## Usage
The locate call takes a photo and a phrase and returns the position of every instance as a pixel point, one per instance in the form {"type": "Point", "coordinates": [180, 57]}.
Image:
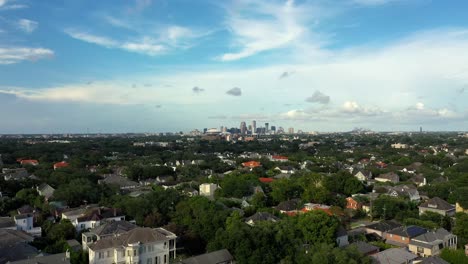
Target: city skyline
{"type": "Point", "coordinates": [157, 66]}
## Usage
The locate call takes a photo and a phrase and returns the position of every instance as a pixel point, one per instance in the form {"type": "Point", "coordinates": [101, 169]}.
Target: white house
{"type": "Point", "coordinates": [21, 222]}
{"type": "Point", "coordinates": [399, 146]}
{"type": "Point", "coordinates": [139, 245]}
{"type": "Point", "coordinates": [86, 218]}
{"type": "Point", "coordinates": [208, 189]}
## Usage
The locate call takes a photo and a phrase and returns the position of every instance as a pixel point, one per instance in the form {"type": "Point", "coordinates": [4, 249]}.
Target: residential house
{"type": "Point", "coordinates": [394, 256]}
{"type": "Point", "coordinates": [317, 207]}
{"type": "Point", "coordinates": [437, 205]}
{"type": "Point", "coordinates": [139, 245]}
{"type": "Point", "coordinates": [60, 258]}
{"type": "Point", "coordinates": [432, 243]}
{"type": "Point", "coordinates": [381, 165]}
{"type": "Point", "coordinates": [399, 146]}
{"type": "Point", "coordinates": [285, 169]}
{"type": "Point", "coordinates": [365, 248]}
{"type": "Point", "coordinates": [251, 164]}
{"type": "Point", "coordinates": [352, 203]}
{"type": "Point", "coordinates": [419, 180]}
{"type": "Point", "coordinates": [208, 189]}
{"type": "Point", "coordinates": [266, 180]}
{"type": "Point", "coordinates": [122, 182]}
{"type": "Point", "coordinates": [388, 177]}
{"type": "Point", "coordinates": [404, 191]}
{"type": "Point", "coordinates": [259, 217]}
{"type": "Point", "coordinates": [381, 228]}
{"type": "Point", "coordinates": [85, 218]}
{"type": "Point", "coordinates": [460, 209]}
{"type": "Point", "coordinates": [14, 245]}
{"type": "Point", "coordinates": [363, 175]}
{"type": "Point", "coordinates": [109, 229]}
{"type": "Point", "coordinates": [278, 158]}
{"type": "Point", "coordinates": [341, 235]}
{"type": "Point", "coordinates": [18, 174]}
{"type": "Point", "coordinates": [401, 236]}
{"type": "Point", "coordinates": [45, 190]}
{"type": "Point", "coordinates": [60, 165]}
{"type": "Point", "coordinates": [288, 207]}
{"type": "Point", "coordinates": [25, 222]}
{"type": "Point", "coordinates": [30, 162]}
{"type": "Point", "coordinates": [222, 256]}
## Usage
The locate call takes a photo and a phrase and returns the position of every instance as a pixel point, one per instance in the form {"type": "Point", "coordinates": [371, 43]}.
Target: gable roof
{"type": "Point", "coordinates": [431, 238]}
{"type": "Point", "coordinates": [220, 256]}
{"type": "Point", "coordinates": [49, 259]}
{"type": "Point", "coordinates": [437, 203]}
{"type": "Point", "coordinates": [113, 228]}
{"type": "Point", "coordinates": [262, 216]}
{"type": "Point", "coordinates": [363, 247]}
{"type": "Point", "coordinates": [289, 205]}
{"type": "Point", "coordinates": [251, 164]}
{"type": "Point", "coordinates": [266, 180]}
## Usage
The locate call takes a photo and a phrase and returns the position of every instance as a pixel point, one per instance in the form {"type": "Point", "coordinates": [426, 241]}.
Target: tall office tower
{"type": "Point", "coordinates": [204, 130]}
{"type": "Point", "coordinates": [243, 127]}
{"type": "Point", "coordinates": [291, 130]}
{"type": "Point", "coordinates": [221, 128]}
{"type": "Point", "coordinates": [254, 127]}
{"type": "Point", "coordinates": [273, 129]}
{"type": "Point", "coordinates": [420, 129]}
{"type": "Point", "coordinates": [280, 130]}
{"type": "Point", "coordinates": [266, 128]}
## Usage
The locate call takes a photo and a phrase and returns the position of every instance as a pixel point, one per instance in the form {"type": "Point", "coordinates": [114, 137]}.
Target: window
{"type": "Point", "coordinates": [108, 253]}
{"type": "Point", "coordinates": [149, 261]}
{"type": "Point", "coordinates": [101, 255]}
{"type": "Point", "coordinates": [403, 238]}
{"type": "Point", "coordinates": [165, 258]}
{"type": "Point", "coordinates": [391, 235]}
{"type": "Point", "coordinates": [134, 253]}
{"type": "Point", "coordinates": [123, 254]}
{"type": "Point", "coordinates": [420, 250]}
{"type": "Point", "coordinates": [82, 226]}
{"type": "Point", "coordinates": [156, 260]}
{"type": "Point", "coordinates": [165, 244]}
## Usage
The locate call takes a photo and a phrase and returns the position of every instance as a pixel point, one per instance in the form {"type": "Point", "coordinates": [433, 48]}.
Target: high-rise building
{"type": "Point", "coordinates": [250, 128]}
{"type": "Point", "coordinates": [204, 130]}
{"type": "Point", "coordinates": [243, 127]}
{"type": "Point", "coordinates": [266, 127]}
{"type": "Point", "coordinates": [254, 127]}
{"type": "Point", "coordinates": [273, 129]}
{"type": "Point", "coordinates": [291, 130]}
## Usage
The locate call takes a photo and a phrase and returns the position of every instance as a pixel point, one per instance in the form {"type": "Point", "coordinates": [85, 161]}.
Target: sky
{"type": "Point", "coordinates": [178, 65]}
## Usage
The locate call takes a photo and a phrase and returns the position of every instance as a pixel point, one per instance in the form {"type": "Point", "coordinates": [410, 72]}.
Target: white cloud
{"type": "Point", "coordinates": [419, 106]}
{"type": "Point", "coordinates": [6, 5]}
{"type": "Point", "coordinates": [2, 3]}
{"type": "Point", "coordinates": [145, 46]}
{"type": "Point", "coordinates": [11, 55]}
{"type": "Point", "coordinates": [27, 25]}
{"type": "Point", "coordinates": [318, 97]}
{"type": "Point", "coordinates": [373, 2]}
{"type": "Point", "coordinates": [260, 25]}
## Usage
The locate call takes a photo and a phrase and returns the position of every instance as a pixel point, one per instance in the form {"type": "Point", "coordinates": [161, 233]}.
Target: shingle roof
{"type": "Point", "coordinates": [141, 234]}
{"type": "Point", "coordinates": [215, 257]}
{"type": "Point", "coordinates": [288, 205]}
{"type": "Point", "coordinates": [433, 260]}
{"type": "Point", "coordinates": [430, 238]}
{"type": "Point", "coordinates": [6, 222]}
{"type": "Point", "coordinates": [384, 226]}
{"type": "Point", "coordinates": [394, 256]}
{"type": "Point", "coordinates": [49, 259]}
{"type": "Point", "coordinates": [409, 231]}
{"type": "Point", "coordinates": [262, 216]}
{"type": "Point", "coordinates": [437, 203]}
{"type": "Point", "coordinates": [111, 228]}
{"type": "Point", "coordinates": [364, 247]}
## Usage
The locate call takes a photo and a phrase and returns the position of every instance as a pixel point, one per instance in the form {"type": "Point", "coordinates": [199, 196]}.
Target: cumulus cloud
{"type": "Point", "coordinates": [236, 91]}
{"type": "Point", "coordinates": [11, 55]}
{"type": "Point", "coordinates": [27, 25]}
{"type": "Point", "coordinates": [318, 97]}
{"type": "Point", "coordinates": [197, 89]}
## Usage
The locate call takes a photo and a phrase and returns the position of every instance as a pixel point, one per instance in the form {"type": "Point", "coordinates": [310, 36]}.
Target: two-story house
{"type": "Point", "coordinates": [401, 236]}
{"type": "Point", "coordinates": [437, 205]}
{"type": "Point", "coordinates": [139, 245]}
{"type": "Point", "coordinates": [432, 243]}
{"type": "Point", "coordinates": [109, 229]}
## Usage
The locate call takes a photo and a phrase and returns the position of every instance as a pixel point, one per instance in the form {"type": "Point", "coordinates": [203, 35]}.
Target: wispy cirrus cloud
{"type": "Point", "coordinates": [27, 25]}
{"type": "Point", "coordinates": [11, 5]}
{"type": "Point", "coordinates": [259, 26]}
{"type": "Point", "coordinates": [145, 46]}
{"type": "Point", "coordinates": [12, 55]}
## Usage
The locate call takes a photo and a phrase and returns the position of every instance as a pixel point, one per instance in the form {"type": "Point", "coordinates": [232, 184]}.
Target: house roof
{"type": "Point", "coordinates": [46, 190]}
{"type": "Point", "coordinates": [288, 205]}
{"type": "Point", "coordinates": [433, 260]}
{"type": "Point", "coordinates": [278, 157]}
{"type": "Point", "coordinates": [14, 245]}
{"type": "Point", "coordinates": [49, 259]}
{"type": "Point", "coordinates": [364, 247]}
{"type": "Point", "coordinates": [220, 256]}
{"type": "Point", "coordinates": [437, 203]}
{"type": "Point", "coordinates": [25, 209]}
{"type": "Point", "coordinates": [251, 164]}
{"type": "Point", "coordinates": [384, 226]}
{"type": "Point", "coordinates": [29, 161]}
{"type": "Point", "coordinates": [394, 256]}
{"type": "Point", "coordinates": [6, 222]}
{"type": "Point", "coordinates": [266, 180]}
{"type": "Point", "coordinates": [408, 231]}
{"type": "Point", "coordinates": [390, 176]}
{"type": "Point", "coordinates": [262, 216]}
{"type": "Point", "coordinates": [430, 238]}
{"type": "Point", "coordinates": [112, 228]}
{"type": "Point", "coordinates": [61, 164]}
{"type": "Point", "coordinates": [137, 235]}
{"type": "Point", "coordinates": [118, 180]}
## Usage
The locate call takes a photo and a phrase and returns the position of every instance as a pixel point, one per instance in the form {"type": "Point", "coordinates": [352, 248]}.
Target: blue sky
{"type": "Point", "coordinates": [170, 65]}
